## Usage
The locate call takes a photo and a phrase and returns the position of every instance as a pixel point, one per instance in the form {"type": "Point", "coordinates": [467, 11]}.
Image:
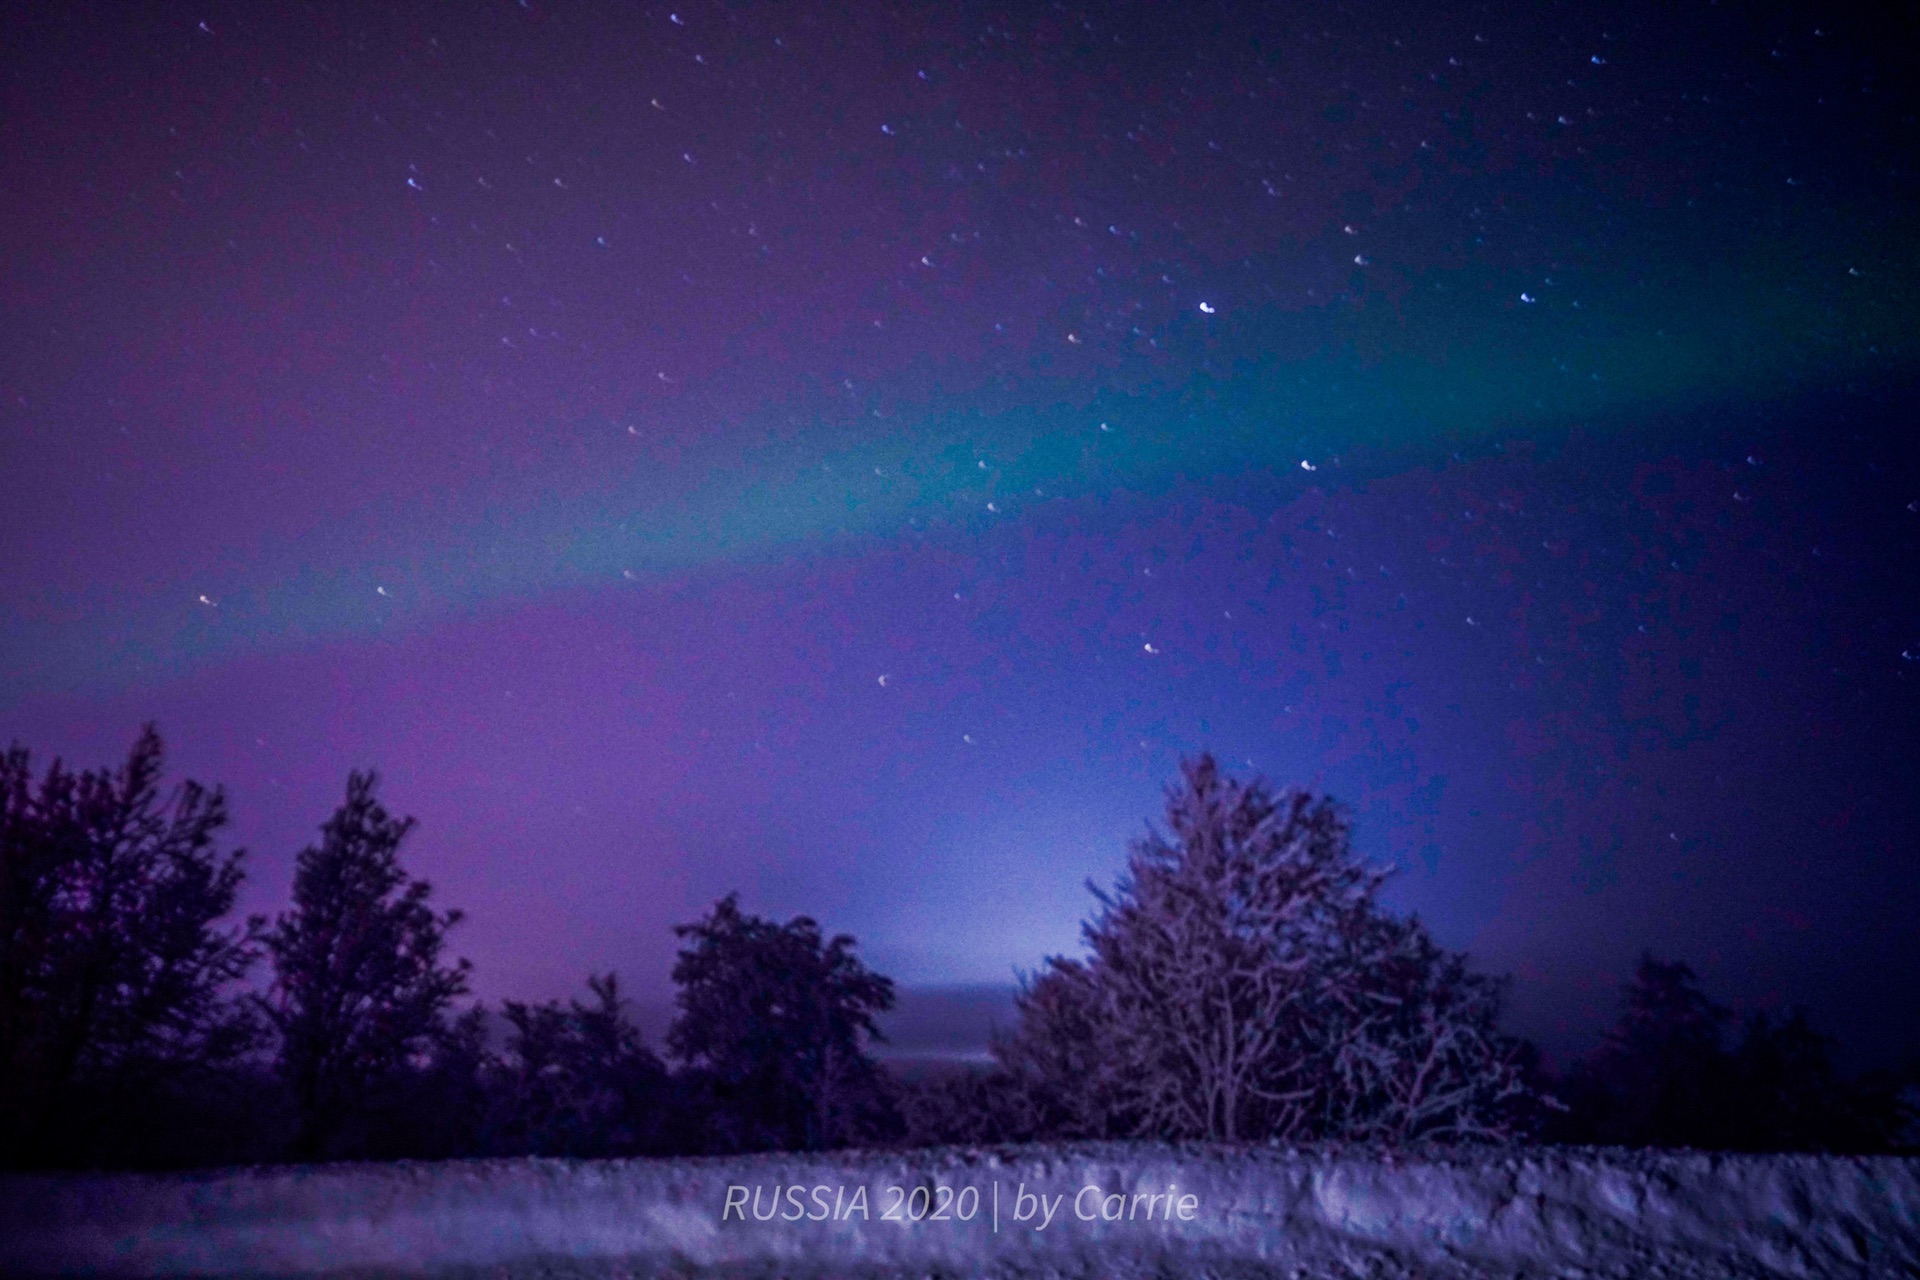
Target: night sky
{"type": "Point", "coordinates": [850, 453]}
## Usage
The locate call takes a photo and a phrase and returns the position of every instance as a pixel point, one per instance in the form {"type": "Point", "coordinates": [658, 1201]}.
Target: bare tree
{"type": "Point", "coordinates": [1419, 1053]}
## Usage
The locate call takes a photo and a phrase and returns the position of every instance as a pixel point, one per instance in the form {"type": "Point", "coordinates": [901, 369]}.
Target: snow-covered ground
{"type": "Point", "coordinates": [1108, 1210]}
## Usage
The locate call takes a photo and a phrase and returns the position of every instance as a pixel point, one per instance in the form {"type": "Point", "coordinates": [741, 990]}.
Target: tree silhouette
{"type": "Point", "coordinates": [965, 1105]}
{"type": "Point", "coordinates": [1664, 1076]}
{"type": "Point", "coordinates": [360, 995]}
{"type": "Point", "coordinates": [773, 1023]}
{"type": "Point", "coordinates": [1790, 1097]}
{"type": "Point", "coordinates": [578, 1079]}
{"type": "Point", "coordinates": [1661, 1076]}
{"type": "Point", "coordinates": [112, 970]}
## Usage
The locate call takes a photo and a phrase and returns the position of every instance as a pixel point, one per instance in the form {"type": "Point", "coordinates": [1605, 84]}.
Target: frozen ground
{"type": "Point", "coordinates": [1232, 1213]}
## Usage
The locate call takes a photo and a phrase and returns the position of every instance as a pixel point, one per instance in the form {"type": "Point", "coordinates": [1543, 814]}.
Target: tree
{"type": "Point", "coordinates": [443, 1106]}
{"type": "Point", "coordinates": [773, 1024]}
{"type": "Point", "coordinates": [360, 995]}
{"type": "Point", "coordinates": [1062, 1054]}
{"type": "Point", "coordinates": [579, 1080]}
{"type": "Point", "coordinates": [114, 972]}
{"type": "Point", "coordinates": [1664, 1076]}
{"type": "Point", "coordinates": [1790, 1097]}
{"type": "Point", "coordinates": [967, 1105]}
{"type": "Point", "coordinates": [1661, 1075]}
{"type": "Point", "coordinates": [1244, 982]}
{"type": "Point", "coordinates": [1421, 1052]}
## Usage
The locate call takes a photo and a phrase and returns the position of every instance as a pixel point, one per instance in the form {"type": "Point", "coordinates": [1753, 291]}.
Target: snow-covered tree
{"type": "Point", "coordinates": [1420, 1051]}
{"type": "Point", "coordinates": [1244, 982]}
{"type": "Point", "coordinates": [1062, 1055]}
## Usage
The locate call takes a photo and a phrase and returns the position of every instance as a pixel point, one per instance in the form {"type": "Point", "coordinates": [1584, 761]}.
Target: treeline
{"type": "Point", "coordinates": [1242, 982]}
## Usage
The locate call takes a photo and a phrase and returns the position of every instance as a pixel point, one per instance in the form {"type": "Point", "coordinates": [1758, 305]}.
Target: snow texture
{"type": "Point", "coordinates": [1535, 1212]}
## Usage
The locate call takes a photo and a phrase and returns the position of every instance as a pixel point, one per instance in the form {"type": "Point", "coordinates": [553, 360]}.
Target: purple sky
{"type": "Point", "coordinates": [850, 456]}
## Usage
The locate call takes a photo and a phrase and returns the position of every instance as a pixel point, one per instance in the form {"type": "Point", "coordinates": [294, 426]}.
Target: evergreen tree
{"type": "Point", "coordinates": [1665, 1076]}
{"type": "Point", "coordinates": [442, 1106]}
{"type": "Point", "coordinates": [360, 995]}
{"type": "Point", "coordinates": [1790, 1097]}
{"type": "Point", "coordinates": [1661, 1076]}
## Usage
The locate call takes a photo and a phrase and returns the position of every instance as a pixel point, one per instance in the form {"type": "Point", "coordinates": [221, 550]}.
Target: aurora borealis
{"type": "Point", "coordinates": [851, 454]}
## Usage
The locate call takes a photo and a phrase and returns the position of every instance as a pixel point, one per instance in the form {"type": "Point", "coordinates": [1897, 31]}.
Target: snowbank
{"type": "Point", "coordinates": [1018, 1211]}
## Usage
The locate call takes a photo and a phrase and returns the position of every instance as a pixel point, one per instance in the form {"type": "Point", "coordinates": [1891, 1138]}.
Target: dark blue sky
{"type": "Point", "coordinates": [851, 455]}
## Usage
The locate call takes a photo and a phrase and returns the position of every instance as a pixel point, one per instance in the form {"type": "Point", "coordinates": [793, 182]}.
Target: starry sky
{"type": "Point", "coordinates": [851, 453]}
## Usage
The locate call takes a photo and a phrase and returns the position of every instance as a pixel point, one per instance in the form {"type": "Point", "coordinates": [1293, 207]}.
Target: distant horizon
{"type": "Point", "coordinates": [935, 1021]}
{"type": "Point", "coordinates": [1562, 1013]}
